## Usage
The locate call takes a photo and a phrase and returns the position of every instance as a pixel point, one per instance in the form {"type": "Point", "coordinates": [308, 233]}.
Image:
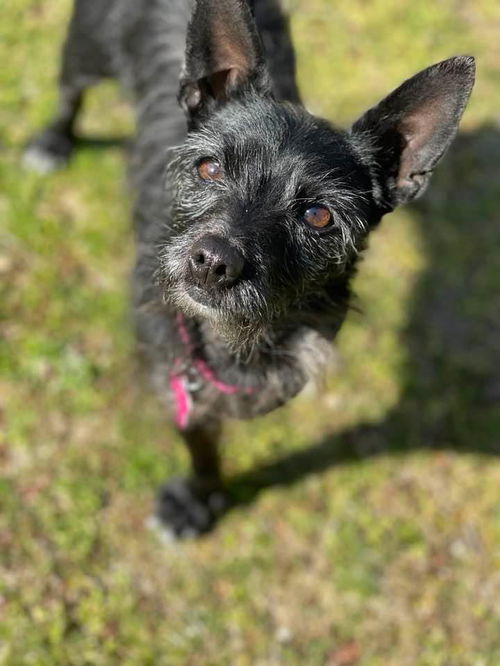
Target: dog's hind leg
{"type": "Point", "coordinates": [189, 507]}
{"type": "Point", "coordinates": [85, 62]}
{"type": "Point", "coordinates": [51, 149]}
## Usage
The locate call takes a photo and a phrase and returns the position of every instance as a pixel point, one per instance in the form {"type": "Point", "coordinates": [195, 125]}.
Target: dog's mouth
{"type": "Point", "coordinates": [194, 300]}
{"type": "Point", "coordinates": [202, 298]}
{"type": "Point", "coordinates": [223, 310]}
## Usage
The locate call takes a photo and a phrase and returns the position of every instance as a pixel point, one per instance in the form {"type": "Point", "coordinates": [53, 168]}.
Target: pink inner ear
{"type": "Point", "coordinates": [222, 82]}
{"type": "Point", "coordinates": [232, 56]}
{"type": "Point", "coordinates": [231, 48]}
{"type": "Point", "coordinates": [417, 130]}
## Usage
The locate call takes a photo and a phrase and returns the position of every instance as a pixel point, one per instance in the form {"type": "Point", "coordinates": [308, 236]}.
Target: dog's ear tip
{"type": "Point", "coordinates": [469, 60]}
{"type": "Point", "coordinates": [460, 60]}
{"type": "Point", "coordinates": [460, 64]}
{"type": "Point", "coordinates": [465, 60]}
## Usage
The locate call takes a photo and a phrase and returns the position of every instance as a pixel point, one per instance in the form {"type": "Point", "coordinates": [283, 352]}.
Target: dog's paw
{"type": "Point", "coordinates": [48, 151]}
{"type": "Point", "coordinates": [183, 512]}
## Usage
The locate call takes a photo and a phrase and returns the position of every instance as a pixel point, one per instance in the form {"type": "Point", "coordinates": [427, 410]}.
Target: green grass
{"type": "Point", "coordinates": [370, 532]}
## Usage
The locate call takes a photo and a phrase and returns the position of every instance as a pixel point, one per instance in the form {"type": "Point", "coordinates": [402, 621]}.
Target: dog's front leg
{"type": "Point", "coordinates": [189, 507]}
{"type": "Point", "coordinates": [202, 441]}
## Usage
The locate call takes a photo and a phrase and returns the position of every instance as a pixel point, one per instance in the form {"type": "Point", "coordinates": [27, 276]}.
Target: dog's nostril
{"type": "Point", "coordinates": [200, 258]}
{"type": "Point", "coordinates": [220, 270]}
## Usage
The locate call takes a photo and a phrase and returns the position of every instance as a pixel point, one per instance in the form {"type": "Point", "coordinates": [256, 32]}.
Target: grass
{"type": "Point", "coordinates": [368, 524]}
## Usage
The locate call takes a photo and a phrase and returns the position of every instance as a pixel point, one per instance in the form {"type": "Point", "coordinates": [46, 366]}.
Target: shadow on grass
{"type": "Point", "coordinates": [450, 398]}
{"type": "Point", "coordinates": [101, 142]}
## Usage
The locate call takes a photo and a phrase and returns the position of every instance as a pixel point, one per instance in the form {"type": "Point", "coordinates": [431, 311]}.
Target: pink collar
{"type": "Point", "coordinates": [179, 383]}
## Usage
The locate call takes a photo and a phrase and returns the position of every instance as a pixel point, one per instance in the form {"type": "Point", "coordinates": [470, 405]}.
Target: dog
{"type": "Point", "coordinates": [250, 213]}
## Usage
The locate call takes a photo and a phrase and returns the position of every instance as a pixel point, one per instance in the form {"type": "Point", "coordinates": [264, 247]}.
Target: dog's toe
{"type": "Point", "coordinates": [183, 512]}
{"type": "Point", "coordinates": [48, 151]}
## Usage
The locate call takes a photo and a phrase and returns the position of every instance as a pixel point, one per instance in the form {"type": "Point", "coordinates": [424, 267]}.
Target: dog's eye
{"type": "Point", "coordinates": [318, 217]}
{"type": "Point", "coordinates": [210, 169]}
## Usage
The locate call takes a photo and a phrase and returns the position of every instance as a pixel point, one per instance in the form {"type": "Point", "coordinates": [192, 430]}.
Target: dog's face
{"type": "Point", "coordinates": [271, 204]}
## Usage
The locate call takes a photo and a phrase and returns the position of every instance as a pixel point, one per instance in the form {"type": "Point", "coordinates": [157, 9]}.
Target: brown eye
{"type": "Point", "coordinates": [318, 217]}
{"type": "Point", "coordinates": [210, 169]}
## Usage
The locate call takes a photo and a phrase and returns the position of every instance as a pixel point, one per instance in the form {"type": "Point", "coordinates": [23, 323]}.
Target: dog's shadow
{"type": "Point", "coordinates": [450, 397]}
{"type": "Point", "coordinates": [101, 143]}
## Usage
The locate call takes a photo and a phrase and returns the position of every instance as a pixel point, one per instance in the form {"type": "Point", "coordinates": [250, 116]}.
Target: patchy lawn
{"type": "Point", "coordinates": [368, 524]}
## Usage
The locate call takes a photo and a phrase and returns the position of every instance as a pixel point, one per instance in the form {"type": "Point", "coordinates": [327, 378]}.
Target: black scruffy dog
{"type": "Point", "coordinates": [250, 216]}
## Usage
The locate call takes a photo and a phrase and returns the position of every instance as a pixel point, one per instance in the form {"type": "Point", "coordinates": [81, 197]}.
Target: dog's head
{"type": "Point", "coordinates": [271, 205]}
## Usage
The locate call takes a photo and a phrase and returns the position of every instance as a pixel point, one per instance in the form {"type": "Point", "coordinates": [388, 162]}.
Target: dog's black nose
{"type": "Point", "coordinates": [214, 262]}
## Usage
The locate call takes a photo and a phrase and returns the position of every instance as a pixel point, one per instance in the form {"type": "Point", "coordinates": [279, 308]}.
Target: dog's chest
{"type": "Point", "coordinates": [208, 383]}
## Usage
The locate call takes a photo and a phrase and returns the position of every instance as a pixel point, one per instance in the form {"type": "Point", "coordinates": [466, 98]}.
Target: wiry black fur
{"type": "Point", "coordinates": [269, 330]}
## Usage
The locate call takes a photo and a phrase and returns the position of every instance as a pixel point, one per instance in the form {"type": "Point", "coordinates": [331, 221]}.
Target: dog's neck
{"type": "Point", "coordinates": [301, 342]}
{"type": "Point", "coordinates": [291, 355]}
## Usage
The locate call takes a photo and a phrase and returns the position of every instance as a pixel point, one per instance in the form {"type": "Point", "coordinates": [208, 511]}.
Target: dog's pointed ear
{"type": "Point", "coordinates": [409, 131]}
{"type": "Point", "coordinates": [224, 56]}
